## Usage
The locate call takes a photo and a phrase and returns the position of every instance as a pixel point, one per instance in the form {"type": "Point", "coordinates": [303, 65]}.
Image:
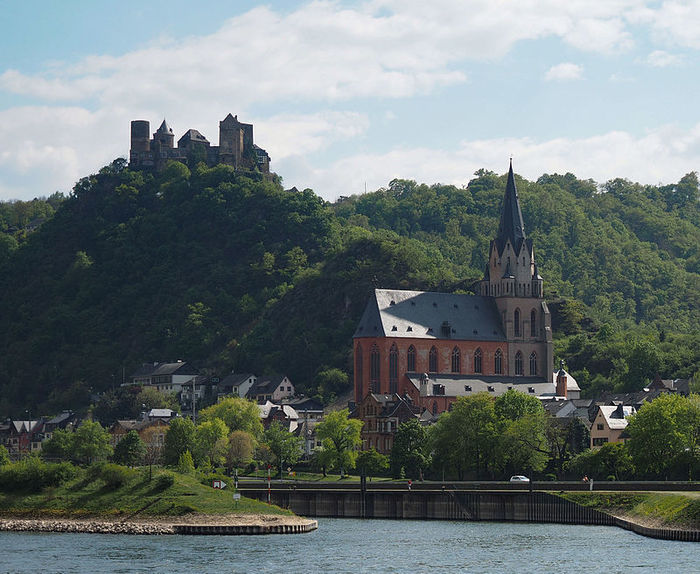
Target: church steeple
{"type": "Point", "coordinates": [511, 225]}
{"type": "Point", "coordinates": [511, 270]}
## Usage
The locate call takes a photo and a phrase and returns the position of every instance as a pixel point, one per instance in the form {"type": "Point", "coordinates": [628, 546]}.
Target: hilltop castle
{"type": "Point", "coordinates": [236, 147]}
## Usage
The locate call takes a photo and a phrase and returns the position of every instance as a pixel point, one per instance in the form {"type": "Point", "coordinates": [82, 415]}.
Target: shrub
{"type": "Point", "coordinates": [115, 475]}
{"type": "Point", "coordinates": [33, 475]}
{"type": "Point", "coordinates": [164, 481]}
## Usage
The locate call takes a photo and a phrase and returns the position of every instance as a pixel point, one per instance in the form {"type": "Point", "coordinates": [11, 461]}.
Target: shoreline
{"type": "Point", "coordinates": [233, 524]}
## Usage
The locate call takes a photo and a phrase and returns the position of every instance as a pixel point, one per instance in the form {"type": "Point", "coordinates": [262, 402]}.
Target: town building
{"type": "Point", "coordinates": [431, 348]}
{"type": "Point", "coordinates": [273, 388]}
{"type": "Point", "coordinates": [609, 424]}
{"type": "Point", "coordinates": [236, 147]}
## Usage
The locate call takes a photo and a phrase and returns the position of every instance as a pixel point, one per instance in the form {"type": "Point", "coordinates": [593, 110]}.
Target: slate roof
{"type": "Point", "coordinates": [155, 369]}
{"type": "Point", "coordinates": [265, 385]}
{"type": "Point", "coordinates": [571, 384]}
{"type": "Point", "coordinates": [495, 385]}
{"type": "Point", "coordinates": [193, 136]}
{"type": "Point", "coordinates": [235, 379]}
{"type": "Point", "coordinates": [429, 315]}
{"type": "Point", "coordinates": [164, 128]}
{"type": "Point", "coordinates": [615, 415]}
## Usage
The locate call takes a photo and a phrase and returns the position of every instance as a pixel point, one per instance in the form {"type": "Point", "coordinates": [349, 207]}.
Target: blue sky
{"type": "Point", "coordinates": [349, 95]}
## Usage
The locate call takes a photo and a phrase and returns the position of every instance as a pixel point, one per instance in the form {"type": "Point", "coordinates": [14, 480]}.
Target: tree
{"type": "Point", "coordinates": [330, 383]}
{"type": "Point", "coordinates": [130, 450]}
{"type": "Point", "coordinates": [664, 434]}
{"type": "Point", "coordinates": [371, 463]}
{"type": "Point", "coordinates": [91, 442]}
{"type": "Point", "coordinates": [241, 446]}
{"type": "Point", "coordinates": [153, 443]}
{"type": "Point", "coordinates": [285, 447]}
{"type": "Point", "coordinates": [409, 451]}
{"type": "Point", "coordinates": [185, 464]}
{"type": "Point", "coordinates": [340, 437]}
{"type": "Point", "coordinates": [210, 442]}
{"type": "Point", "coordinates": [4, 456]}
{"type": "Point", "coordinates": [178, 439]}
{"type": "Point", "coordinates": [237, 413]}
{"type": "Point", "coordinates": [59, 446]}
{"type": "Point", "coordinates": [465, 439]}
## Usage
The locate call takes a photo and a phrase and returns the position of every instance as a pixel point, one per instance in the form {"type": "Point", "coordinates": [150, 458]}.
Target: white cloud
{"type": "Point", "coordinates": [564, 71]}
{"type": "Point", "coordinates": [662, 155]}
{"type": "Point", "coordinates": [661, 59]}
{"type": "Point", "coordinates": [678, 23]}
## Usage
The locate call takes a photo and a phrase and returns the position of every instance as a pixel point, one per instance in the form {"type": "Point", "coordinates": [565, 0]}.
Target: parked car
{"type": "Point", "coordinates": [519, 478]}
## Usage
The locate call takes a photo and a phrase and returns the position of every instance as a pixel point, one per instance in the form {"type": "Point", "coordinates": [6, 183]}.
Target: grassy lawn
{"type": "Point", "coordinates": [677, 509]}
{"type": "Point", "coordinates": [137, 496]}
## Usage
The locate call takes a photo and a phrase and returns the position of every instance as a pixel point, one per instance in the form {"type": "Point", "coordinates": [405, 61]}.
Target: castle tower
{"type": "Point", "coordinates": [164, 137]}
{"type": "Point", "coordinates": [140, 142]}
{"type": "Point", "coordinates": [511, 277]}
{"type": "Point", "coordinates": [230, 141]}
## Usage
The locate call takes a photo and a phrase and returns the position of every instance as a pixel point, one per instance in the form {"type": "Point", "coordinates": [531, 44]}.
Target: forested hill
{"type": "Point", "coordinates": [234, 273]}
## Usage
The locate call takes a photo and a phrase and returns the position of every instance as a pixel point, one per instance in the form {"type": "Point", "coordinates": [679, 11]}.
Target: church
{"type": "Point", "coordinates": [417, 352]}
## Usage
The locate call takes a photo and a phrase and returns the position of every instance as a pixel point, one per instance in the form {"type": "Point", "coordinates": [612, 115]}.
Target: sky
{"type": "Point", "coordinates": [346, 96]}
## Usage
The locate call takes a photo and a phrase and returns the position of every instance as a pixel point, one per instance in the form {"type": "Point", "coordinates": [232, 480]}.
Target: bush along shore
{"type": "Point", "coordinates": [109, 498]}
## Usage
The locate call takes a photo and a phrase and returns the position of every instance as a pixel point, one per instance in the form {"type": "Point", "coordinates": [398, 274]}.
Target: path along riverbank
{"type": "Point", "coordinates": [190, 524]}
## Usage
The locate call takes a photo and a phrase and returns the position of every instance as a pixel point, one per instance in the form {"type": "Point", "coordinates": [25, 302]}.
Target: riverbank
{"type": "Point", "coordinates": [189, 524]}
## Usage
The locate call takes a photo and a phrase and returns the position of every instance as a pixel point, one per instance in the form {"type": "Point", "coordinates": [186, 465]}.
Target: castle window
{"type": "Point", "coordinates": [358, 366]}
{"type": "Point", "coordinates": [411, 359]}
{"type": "Point", "coordinates": [433, 360]}
{"type": "Point", "coordinates": [456, 360]}
{"type": "Point", "coordinates": [374, 369]}
{"type": "Point", "coordinates": [518, 363]}
{"type": "Point", "coordinates": [533, 363]}
{"type": "Point", "coordinates": [477, 361]}
{"type": "Point", "coordinates": [516, 322]}
{"type": "Point", "coordinates": [498, 362]}
{"type": "Point", "coordinates": [533, 323]}
{"type": "Point", "coordinates": [393, 369]}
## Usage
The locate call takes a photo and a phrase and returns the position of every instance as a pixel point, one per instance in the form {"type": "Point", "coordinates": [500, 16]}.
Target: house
{"type": "Point", "coordinates": [307, 408]}
{"type": "Point", "coordinates": [609, 424]}
{"type": "Point", "coordinates": [24, 436]}
{"type": "Point", "coordinates": [236, 384]}
{"type": "Point", "coordinates": [201, 385]}
{"type": "Point", "coordinates": [67, 420]}
{"type": "Point", "coordinates": [270, 412]}
{"type": "Point", "coordinates": [436, 347]}
{"type": "Point", "coordinates": [270, 388]}
{"type": "Point", "coordinates": [382, 414]}
{"type": "Point", "coordinates": [165, 377]}
{"type": "Point", "coordinates": [680, 386]}
{"type": "Point", "coordinates": [150, 431]}
{"type": "Point", "coordinates": [164, 415]}
{"type": "Point", "coordinates": [306, 429]}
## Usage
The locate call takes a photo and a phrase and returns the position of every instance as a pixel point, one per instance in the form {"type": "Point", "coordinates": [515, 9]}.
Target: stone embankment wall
{"type": "Point", "coordinates": [448, 504]}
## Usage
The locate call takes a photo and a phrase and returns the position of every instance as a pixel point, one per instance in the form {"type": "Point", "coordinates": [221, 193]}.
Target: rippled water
{"type": "Point", "coordinates": [356, 546]}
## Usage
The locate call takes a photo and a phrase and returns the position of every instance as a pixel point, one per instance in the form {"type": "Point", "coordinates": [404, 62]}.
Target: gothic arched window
{"type": "Point", "coordinates": [358, 367]}
{"type": "Point", "coordinates": [518, 363]}
{"type": "Point", "coordinates": [516, 322]}
{"type": "Point", "coordinates": [374, 368]}
{"type": "Point", "coordinates": [456, 360]}
{"type": "Point", "coordinates": [411, 359]}
{"type": "Point", "coordinates": [477, 361]}
{"type": "Point", "coordinates": [533, 363]}
{"type": "Point", "coordinates": [393, 369]}
{"type": "Point", "coordinates": [533, 323]}
{"type": "Point", "coordinates": [498, 362]}
{"type": "Point", "coordinates": [433, 360]}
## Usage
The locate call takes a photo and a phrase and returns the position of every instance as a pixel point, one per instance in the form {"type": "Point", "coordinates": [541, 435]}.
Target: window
{"type": "Point", "coordinates": [433, 360]}
{"type": "Point", "coordinates": [533, 323]}
{"type": "Point", "coordinates": [516, 322]}
{"type": "Point", "coordinates": [518, 363]}
{"type": "Point", "coordinates": [358, 367]}
{"type": "Point", "coordinates": [411, 359]}
{"type": "Point", "coordinates": [374, 368]}
{"type": "Point", "coordinates": [435, 408]}
{"type": "Point", "coordinates": [477, 361]}
{"type": "Point", "coordinates": [498, 362]}
{"type": "Point", "coordinates": [456, 360]}
{"type": "Point", "coordinates": [438, 389]}
{"type": "Point", "coordinates": [533, 363]}
{"type": "Point", "coordinates": [393, 369]}
{"type": "Point", "coordinates": [600, 426]}
{"type": "Point", "coordinates": [600, 441]}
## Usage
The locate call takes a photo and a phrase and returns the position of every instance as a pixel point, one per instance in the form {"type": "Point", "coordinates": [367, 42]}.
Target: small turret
{"type": "Point", "coordinates": [164, 136]}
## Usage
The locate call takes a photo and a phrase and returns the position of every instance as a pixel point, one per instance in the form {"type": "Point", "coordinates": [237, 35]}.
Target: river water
{"type": "Point", "coordinates": [357, 546]}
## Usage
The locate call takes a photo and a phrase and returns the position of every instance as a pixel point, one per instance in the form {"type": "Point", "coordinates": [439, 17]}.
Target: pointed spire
{"type": "Point", "coordinates": [511, 225]}
{"type": "Point", "coordinates": [164, 128]}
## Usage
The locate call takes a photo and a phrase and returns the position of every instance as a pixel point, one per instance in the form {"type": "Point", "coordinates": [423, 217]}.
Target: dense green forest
{"type": "Point", "coordinates": [231, 272]}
